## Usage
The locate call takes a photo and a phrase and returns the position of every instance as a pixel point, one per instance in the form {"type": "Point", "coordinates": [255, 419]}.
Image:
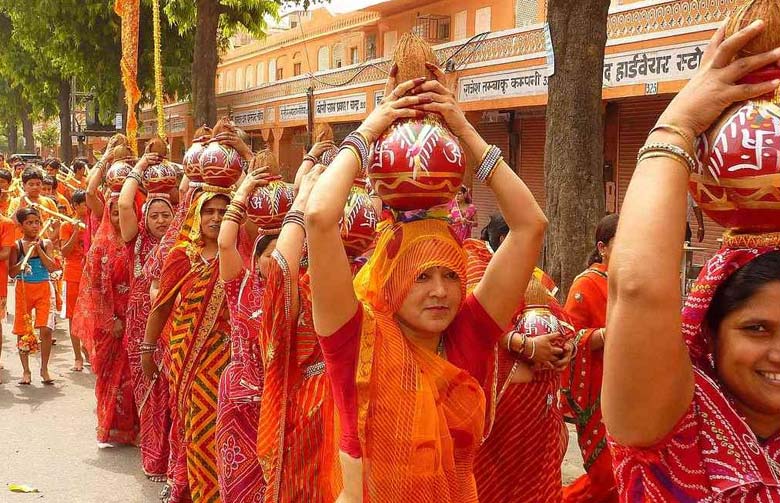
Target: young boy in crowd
{"type": "Point", "coordinates": [6, 178]}
{"type": "Point", "coordinates": [73, 252]}
{"type": "Point", "coordinates": [33, 292]}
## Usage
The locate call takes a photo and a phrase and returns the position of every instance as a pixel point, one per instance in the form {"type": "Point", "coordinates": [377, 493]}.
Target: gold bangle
{"type": "Point", "coordinates": [655, 154]}
{"type": "Point", "coordinates": [354, 152]}
{"type": "Point", "coordinates": [679, 132]}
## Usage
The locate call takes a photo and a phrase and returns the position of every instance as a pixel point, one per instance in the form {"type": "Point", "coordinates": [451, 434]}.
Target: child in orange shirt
{"type": "Point", "coordinates": [33, 292]}
{"type": "Point", "coordinates": [6, 242]}
{"type": "Point", "coordinates": [74, 251]}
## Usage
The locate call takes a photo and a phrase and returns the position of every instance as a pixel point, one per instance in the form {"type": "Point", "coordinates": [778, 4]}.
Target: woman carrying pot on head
{"type": "Point", "coordinates": [241, 384]}
{"type": "Point", "coordinates": [407, 318]}
{"type": "Point", "coordinates": [192, 297]}
{"type": "Point", "coordinates": [142, 236]}
{"type": "Point", "coordinates": [692, 401]}
{"type": "Point", "coordinates": [99, 322]}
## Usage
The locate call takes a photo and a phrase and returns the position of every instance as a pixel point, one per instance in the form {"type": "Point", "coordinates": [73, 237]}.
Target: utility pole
{"type": "Point", "coordinates": [310, 110]}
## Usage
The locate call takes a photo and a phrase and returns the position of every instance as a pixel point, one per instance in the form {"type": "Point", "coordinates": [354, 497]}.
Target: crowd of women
{"type": "Point", "coordinates": [274, 364]}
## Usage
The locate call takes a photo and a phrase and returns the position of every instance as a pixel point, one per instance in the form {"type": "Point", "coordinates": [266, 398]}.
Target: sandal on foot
{"type": "Point", "coordinates": [26, 381]}
{"type": "Point", "coordinates": [77, 367]}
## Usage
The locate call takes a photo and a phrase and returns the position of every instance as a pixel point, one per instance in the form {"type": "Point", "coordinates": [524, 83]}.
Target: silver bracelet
{"type": "Point", "coordinates": [668, 148]}
{"type": "Point", "coordinates": [489, 163]}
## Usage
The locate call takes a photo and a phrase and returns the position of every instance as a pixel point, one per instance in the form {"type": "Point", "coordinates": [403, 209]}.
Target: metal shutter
{"type": "Point", "coordinates": [495, 133]}
{"type": "Point", "coordinates": [531, 169]}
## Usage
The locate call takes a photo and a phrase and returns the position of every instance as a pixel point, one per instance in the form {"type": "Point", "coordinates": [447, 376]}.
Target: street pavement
{"type": "Point", "coordinates": [47, 436]}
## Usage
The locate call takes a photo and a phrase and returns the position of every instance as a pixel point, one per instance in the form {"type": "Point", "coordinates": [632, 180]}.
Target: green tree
{"type": "Point", "coordinates": [48, 137]}
{"type": "Point", "coordinates": [213, 22]}
{"type": "Point", "coordinates": [80, 40]}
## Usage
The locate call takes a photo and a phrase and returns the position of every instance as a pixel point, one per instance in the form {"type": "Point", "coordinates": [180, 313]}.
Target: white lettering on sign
{"type": "Point", "coordinates": [294, 112]}
{"type": "Point", "coordinates": [341, 105]}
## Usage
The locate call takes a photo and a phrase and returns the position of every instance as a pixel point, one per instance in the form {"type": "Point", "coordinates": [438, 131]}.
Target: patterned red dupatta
{"type": "Point", "coordinates": [296, 440]}
{"type": "Point", "coordinates": [103, 297]}
{"type": "Point", "coordinates": [711, 454]}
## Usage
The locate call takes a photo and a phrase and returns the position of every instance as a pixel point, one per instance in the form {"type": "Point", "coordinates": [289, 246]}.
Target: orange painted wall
{"type": "Point", "coordinates": [305, 53]}
{"type": "Point", "coordinates": [401, 20]}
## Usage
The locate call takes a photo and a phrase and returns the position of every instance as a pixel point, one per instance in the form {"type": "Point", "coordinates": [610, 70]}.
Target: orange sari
{"type": "Point", "coordinates": [295, 444]}
{"type": "Point", "coordinates": [587, 306]}
{"type": "Point", "coordinates": [420, 418]}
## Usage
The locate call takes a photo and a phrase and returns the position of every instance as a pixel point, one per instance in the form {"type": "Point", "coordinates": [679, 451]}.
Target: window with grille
{"type": "Point", "coordinates": [433, 28]}
{"type": "Point", "coordinates": [338, 56]}
{"type": "Point", "coordinates": [296, 69]}
{"type": "Point", "coordinates": [526, 12]}
{"type": "Point", "coordinates": [371, 47]}
{"type": "Point", "coordinates": [354, 57]}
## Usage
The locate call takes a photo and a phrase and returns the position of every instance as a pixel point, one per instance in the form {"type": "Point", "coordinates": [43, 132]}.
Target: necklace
{"type": "Point", "coordinates": [441, 351]}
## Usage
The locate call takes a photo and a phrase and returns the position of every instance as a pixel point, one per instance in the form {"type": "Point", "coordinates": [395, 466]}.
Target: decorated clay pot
{"type": "Point", "coordinates": [359, 222]}
{"type": "Point", "coordinates": [537, 320]}
{"type": "Point", "coordinates": [192, 161]}
{"type": "Point", "coordinates": [418, 164]}
{"type": "Point", "coordinates": [117, 173]}
{"type": "Point", "coordinates": [160, 178]}
{"type": "Point", "coordinates": [737, 180]}
{"type": "Point", "coordinates": [220, 164]}
{"type": "Point", "coordinates": [267, 206]}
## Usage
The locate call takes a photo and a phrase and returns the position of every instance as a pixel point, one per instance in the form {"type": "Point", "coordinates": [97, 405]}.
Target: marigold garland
{"type": "Point", "coordinates": [158, 79]}
{"type": "Point", "coordinates": [129, 11]}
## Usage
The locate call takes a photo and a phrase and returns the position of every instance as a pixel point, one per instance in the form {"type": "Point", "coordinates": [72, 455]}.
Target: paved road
{"type": "Point", "coordinates": [47, 437]}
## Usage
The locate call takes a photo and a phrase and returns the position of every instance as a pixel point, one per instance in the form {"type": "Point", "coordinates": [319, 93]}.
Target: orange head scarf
{"type": "Point", "coordinates": [420, 418]}
{"type": "Point", "coordinates": [403, 251]}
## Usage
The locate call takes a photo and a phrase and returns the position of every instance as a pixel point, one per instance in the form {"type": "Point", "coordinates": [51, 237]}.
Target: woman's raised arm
{"type": "Point", "coordinates": [230, 262]}
{"type": "Point", "coordinates": [648, 376]}
{"type": "Point", "coordinates": [333, 296]}
{"type": "Point", "coordinates": [502, 287]}
{"type": "Point", "coordinates": [128, 220]}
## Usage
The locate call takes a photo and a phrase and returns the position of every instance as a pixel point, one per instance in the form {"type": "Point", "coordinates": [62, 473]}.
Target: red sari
{"type": "Point", "coordinates": [151, 396]}
{"type": "Point", "coordinates": [525, 421]}
{"type": "Point", "coordinates": [296, 442]}
{"type": "Point", "coordinates": [587, 307]}
{"type": "Point", "coordinates": [197, 333]}
{"type": "Point", "coordinates": [240, 388]}
{"type": "Point", "coordinates": [711, 454]}
{"type": "Point", "coordinates": [103, 298]}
